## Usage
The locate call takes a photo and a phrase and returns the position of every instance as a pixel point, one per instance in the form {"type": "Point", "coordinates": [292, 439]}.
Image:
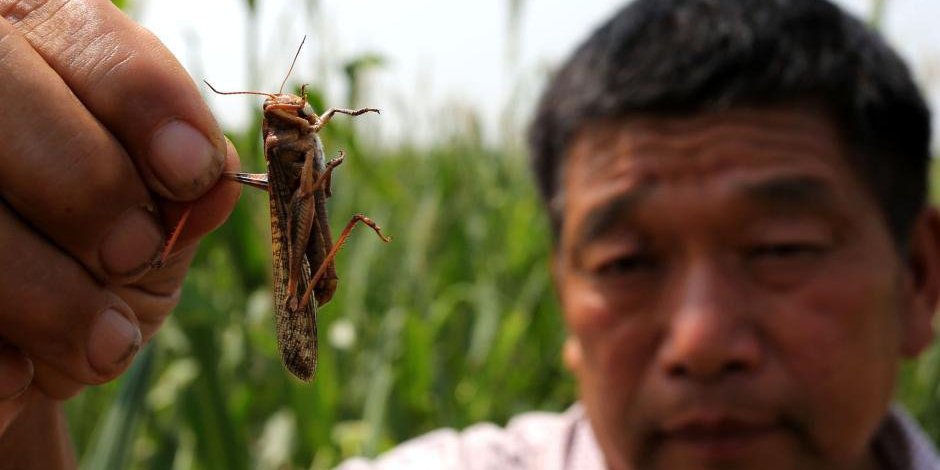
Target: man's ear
{"type": "Point", "coordinates": [923, 283]}
{"type": "Point", "coordinates": [572, 355]}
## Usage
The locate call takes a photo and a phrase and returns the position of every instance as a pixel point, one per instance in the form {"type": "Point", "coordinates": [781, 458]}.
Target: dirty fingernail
{"type": "Point", "coordinates": [134, 241]}
{"type": "Point", "coordinates": [184, 160]}
{"type": "Point", "coordinates": [114, 340]}
{"type": "Point", "coordinates": [16, 372]}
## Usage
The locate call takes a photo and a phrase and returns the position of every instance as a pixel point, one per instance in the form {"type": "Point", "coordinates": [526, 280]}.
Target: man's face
{"type": "Point", "coordinates": [733, 295]}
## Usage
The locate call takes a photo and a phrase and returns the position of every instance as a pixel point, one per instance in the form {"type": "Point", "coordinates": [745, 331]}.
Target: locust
{"type": "Point", "coordinates": [298, 182]}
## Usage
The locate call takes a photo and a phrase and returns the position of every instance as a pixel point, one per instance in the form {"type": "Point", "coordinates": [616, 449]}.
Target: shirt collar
{"type": "Point", "coordinates": [900, 444]}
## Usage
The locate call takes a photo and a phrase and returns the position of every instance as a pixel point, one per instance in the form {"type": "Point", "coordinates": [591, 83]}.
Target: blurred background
{"type": "Point", "coordinates": [455, 321]}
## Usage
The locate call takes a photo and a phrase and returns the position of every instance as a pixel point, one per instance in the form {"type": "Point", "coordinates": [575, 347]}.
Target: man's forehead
{"type": "Point", "coordinates": [668, 147]}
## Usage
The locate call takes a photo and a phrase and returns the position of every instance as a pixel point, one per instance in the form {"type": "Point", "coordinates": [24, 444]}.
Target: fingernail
{"type": "Point", "coordinates": [16, 373]}
{"type": "Point", "coordinates": [114, 340]}
{"type": "Point", "coordinates": [184, 160]}
{"type": "Point", "coordinates": [134, 240]}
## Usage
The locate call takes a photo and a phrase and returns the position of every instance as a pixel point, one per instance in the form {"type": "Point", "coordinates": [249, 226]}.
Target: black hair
{"type": "Point", "coordinates": [678, 57]}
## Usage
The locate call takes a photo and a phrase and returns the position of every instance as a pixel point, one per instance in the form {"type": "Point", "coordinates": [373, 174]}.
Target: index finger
{"type": "Point", "coordinates": [133, 85]}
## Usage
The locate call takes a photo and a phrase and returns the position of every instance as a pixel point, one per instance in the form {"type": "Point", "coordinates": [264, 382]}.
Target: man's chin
{"type": "Point", "coordinates": [773, 447]}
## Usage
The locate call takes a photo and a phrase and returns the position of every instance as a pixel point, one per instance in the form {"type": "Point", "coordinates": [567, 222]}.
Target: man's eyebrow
{"type": "Point", "coordinates": [601, 218]}
{"type": "Point", "coordinates": [798, 192]}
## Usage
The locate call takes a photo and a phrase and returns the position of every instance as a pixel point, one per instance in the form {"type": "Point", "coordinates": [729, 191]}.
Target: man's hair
{"type": "Point", "coordinates": [678, 57]}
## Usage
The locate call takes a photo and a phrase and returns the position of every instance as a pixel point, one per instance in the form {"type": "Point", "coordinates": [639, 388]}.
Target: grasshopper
{"type": "Point", "coordinates": [298, 182]}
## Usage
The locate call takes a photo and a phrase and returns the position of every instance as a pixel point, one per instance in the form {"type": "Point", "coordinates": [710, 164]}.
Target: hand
{"type": "Point", "coordinates": [101, 130]}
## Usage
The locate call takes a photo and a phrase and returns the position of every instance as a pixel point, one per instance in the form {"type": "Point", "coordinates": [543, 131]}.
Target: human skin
{"type": "Point", "coordinates": [733, 296]}
{"type": "Point", "coordinates": [105, 138]}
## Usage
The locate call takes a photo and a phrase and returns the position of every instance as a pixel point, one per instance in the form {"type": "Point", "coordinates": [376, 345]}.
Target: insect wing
{"type": "Point", "coordinates": [296, 330]}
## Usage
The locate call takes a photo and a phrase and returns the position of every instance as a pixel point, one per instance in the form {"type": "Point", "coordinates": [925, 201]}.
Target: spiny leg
{"type": "Point", "coordinates": [336, 246]}
{"type": "Point", "coordinates": [325, 182]}
{"type": "Point", "coordinates": [171, 241]}
{"type": "Point", "coordinates": [255, 180]}
{"type": "Point", "coordinates": [328, 114]}
{"type": "Point", "coordinates": [302, 212]}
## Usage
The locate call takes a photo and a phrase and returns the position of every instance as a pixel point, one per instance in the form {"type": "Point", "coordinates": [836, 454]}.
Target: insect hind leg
{"type": "Point", "coordinates": [172, 239]}
{"type": "Point", "coordinates": [255, 180]}
{"type": "Point", "coordinates": [356, 219]}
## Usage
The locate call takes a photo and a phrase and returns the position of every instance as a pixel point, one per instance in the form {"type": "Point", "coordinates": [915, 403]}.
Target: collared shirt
{"type": "Point", "coordinates": [565, 441]}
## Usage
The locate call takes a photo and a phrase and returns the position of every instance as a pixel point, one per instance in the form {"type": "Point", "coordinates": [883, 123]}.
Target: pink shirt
{"type": "Point", "coordinates": [552, 441]}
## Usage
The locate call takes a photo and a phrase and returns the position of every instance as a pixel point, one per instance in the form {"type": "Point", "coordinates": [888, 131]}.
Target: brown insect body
{"type": "Point", "coordinates": [295, 159]}
{"type": "Point", "coordinates": [298, 184]}
{"type": "Point", "coordinates": [300, 235]}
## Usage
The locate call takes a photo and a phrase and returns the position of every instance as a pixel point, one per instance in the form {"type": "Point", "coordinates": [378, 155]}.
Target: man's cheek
{"type": "Point", "coordinates": [592, 309]}
{"type": "Point", "coordinates": [617, 369]}
{"type": "Point", "coordinates": [833, 340]}
{"type": "Point", "coordinates": [587, 312]}
{"type": "Point", "coordinates": [616, 353]}
{"type": "Point", "coordinates": [837, 333]}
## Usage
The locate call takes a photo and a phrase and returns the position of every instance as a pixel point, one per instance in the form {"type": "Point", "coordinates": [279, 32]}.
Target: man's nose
{"type": "Point", "coordinates": [712, 331]}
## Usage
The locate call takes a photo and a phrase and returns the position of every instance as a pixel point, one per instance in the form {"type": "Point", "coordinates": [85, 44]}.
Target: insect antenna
{"type": "Point", "coordinates": [269, 95]}
{"type": "Point", "coordinates": [291, 69]}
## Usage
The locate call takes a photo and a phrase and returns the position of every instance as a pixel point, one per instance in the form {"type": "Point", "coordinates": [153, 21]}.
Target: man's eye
{"type": "Point", "coordinates": [786, 264]}
{"type": "Point", "coordinates": [786, 250]}
{"type": "Point", "coordinates": [625, 265]}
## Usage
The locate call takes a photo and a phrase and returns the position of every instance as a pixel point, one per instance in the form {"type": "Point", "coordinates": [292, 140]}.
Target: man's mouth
{"type": "Point", "coordinates": [718, 435]}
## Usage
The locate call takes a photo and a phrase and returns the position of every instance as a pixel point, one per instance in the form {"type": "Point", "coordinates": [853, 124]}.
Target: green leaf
{"type": "Point", "coordinates": [114, 439]}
